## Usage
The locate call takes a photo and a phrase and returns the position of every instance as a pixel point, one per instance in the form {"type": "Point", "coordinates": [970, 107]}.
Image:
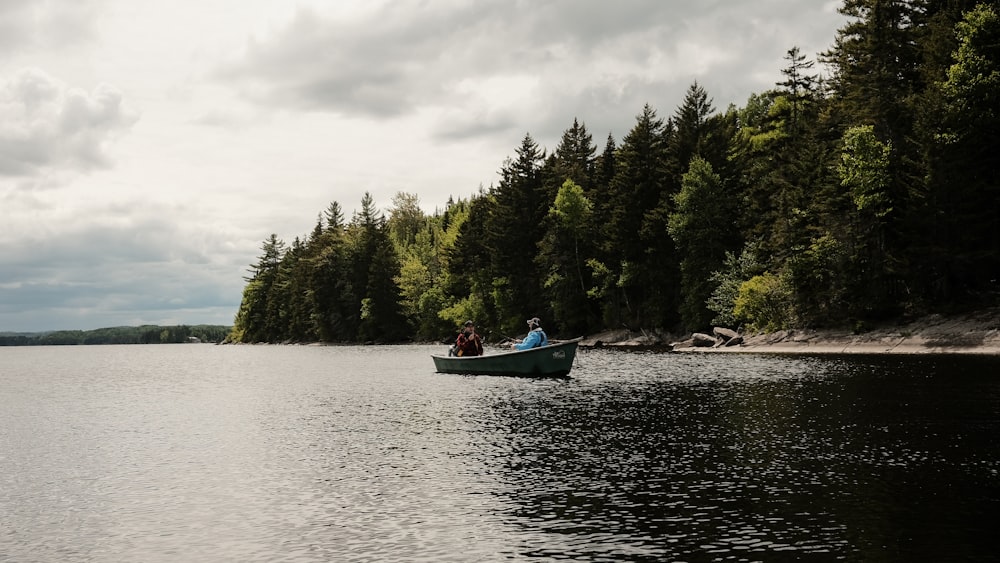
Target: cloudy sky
{"type": "Point", "coordinates": [148, 148]}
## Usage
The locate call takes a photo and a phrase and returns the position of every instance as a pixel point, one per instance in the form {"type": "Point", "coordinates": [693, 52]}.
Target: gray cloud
{"type": "Point", "coordinates": [409, 56]}
{"type": "Point", "coordinates": [458, 126]}
{"type": "Point", "coordinates": [137, 267]}
{"type": "Point", "coordinates": [593, 60]}
{"type": "Point", "coordinates": [37, 307]}
{"type": "Point", "coordinates": [46, 126]}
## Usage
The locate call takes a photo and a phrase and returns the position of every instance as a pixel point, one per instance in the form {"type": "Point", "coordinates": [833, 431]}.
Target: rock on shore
{"type": "Point", "coordinates": [972, 333]}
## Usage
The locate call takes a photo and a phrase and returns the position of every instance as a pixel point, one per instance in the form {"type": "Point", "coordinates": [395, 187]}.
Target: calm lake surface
{"type": "Point", "coordinates": [309, 453]}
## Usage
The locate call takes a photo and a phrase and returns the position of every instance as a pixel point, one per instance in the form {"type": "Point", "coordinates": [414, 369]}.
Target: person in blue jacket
{"type": "Point", "coordinates": [536, 336]}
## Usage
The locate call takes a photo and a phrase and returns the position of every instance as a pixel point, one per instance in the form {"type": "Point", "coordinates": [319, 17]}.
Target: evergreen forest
{"type": "Point", "coordinates": [863, 187]}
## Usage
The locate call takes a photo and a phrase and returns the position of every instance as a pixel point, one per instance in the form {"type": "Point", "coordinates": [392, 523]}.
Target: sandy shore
{"type": "Point", "coordinates": [973, 333]}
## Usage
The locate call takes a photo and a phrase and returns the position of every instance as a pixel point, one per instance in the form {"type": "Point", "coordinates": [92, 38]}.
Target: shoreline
{"type": "Point", "coordinates": [801, 342]}
{"type": "Point", "coordinates": [972, 333]}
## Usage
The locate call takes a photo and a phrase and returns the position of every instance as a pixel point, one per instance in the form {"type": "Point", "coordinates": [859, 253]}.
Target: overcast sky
{"type": "Point", "coordinates": [148, 148]}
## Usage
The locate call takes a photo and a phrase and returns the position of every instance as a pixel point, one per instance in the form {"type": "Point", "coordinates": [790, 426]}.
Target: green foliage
{"type": "Point", "coordinates": [763, 303]}
{"type": "Point", "coordinates": [864, 170]}
{"type": "Point", "coordinates": [468, 308]}
{"type": "Point", "coordinates": [572, 209]}
{"type": "Point", "coordinates": [820, 278]}
{"type": "Point", "coordinates": [563, 257]}
{"type": "Point", "coordinates": [414, 280]}
{"type": "Point", "coordinates": [602, 276]}
{"type": "Point", "coordinates": [701, 227]}
{"type": "Point", "coordinates": [406, 220]}
{"type": "Point", "coordinates": [504, 298]}
{"type": "Point", "coordinates": [736, 270]}
{"type": "Point", "coordinates": [960, 256]}
{"type": "Point", "coordinates": [973, 82]}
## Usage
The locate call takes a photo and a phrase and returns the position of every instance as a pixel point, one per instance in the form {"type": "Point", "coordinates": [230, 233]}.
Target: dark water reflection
{"type": "Point", "coordinates": [761, 458]}
{"type": "Point", "coordinates": [364, 454]}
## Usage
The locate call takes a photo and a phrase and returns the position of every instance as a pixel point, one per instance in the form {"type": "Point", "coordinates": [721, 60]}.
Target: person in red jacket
{"type": "Point", "coordinates": [468, 342]}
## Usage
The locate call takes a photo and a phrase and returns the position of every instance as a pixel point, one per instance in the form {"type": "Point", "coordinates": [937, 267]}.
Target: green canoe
{"type": "Point", "coordinates": [547, 361]}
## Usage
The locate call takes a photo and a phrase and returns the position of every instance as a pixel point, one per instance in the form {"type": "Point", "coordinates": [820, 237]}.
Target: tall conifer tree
{"type": "Point", "coordinates": [646, 268]}
{"type": "Point", "coordinates": [512, 231]}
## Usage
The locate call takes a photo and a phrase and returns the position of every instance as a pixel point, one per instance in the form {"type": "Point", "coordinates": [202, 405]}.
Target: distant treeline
{"type": "Point", "coordinates": [869, 192]}
{"type": "Point", "coordinates": [147, 334]}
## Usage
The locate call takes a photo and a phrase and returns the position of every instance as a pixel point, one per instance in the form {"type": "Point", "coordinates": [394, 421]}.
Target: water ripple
{"type": "Point", "coordinates": [306, 454]}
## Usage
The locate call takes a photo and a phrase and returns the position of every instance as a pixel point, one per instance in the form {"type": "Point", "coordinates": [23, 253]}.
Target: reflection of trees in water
{"type": "Point", "coordinates": [835, 457]}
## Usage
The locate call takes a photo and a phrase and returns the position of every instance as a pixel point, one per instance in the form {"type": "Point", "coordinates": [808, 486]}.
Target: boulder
{"type": "Point", "coordinates": [724, 333]}
{"type": "Point", "coordinates": [701, 340]}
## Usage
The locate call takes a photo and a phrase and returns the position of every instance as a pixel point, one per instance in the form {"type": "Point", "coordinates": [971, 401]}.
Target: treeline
{"type": "Point", "coordinates": [866, 193]}
{"type": "Point", "coordinates": [146, 334]}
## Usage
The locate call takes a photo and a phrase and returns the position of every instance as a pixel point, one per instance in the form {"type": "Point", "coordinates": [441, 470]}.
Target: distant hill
{"type": "Point", "coordinates": [145, 334]}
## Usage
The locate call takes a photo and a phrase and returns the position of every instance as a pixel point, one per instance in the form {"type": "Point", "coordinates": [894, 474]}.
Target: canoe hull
{"type": "Point", "coordinates": [554, 360]}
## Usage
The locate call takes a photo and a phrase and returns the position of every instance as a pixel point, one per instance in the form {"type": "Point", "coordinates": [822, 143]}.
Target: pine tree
{"type": "Point", "coordinates": [375, 267]}
{"type": "Point", "coordinates": [800, 89]}
{"type": "Point", "coordinates": [602, 290]}
{"type": "Point", "coordinates": [335, 313]}
{"type": "Point", "coordinates": [256, 320]}
{"type": "Point", "coordinates": [645, 269]}
{"type": "Point", "coordinates": [468, 282]}
{"type": "Point", "coordinates": [694, 135]}
{"type": "Point", "coordinates": [512, 231]}
{"type": "Point", "coordinates": [573, 158]}
{"type": "Point", "coordinates": [334, 217]}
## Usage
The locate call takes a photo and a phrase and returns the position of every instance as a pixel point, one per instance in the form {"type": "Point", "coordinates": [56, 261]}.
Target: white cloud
{"type": "Point", "coordinates": [47, 127]}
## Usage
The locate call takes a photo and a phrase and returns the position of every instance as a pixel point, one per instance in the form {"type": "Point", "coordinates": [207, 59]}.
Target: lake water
{"type": "Point", "coordinates": [308, 453]}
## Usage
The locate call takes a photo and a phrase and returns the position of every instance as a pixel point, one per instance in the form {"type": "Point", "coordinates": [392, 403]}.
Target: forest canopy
{"type": "Point", "coordinates": [866, 192]}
